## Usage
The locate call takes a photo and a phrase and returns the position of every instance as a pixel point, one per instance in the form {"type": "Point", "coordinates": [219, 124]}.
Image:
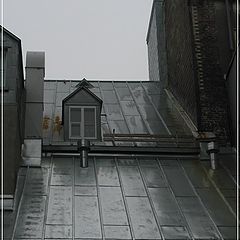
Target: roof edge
{"type": "Point", "coordinates": [151, 16]}
{"type": "Point", "coordinates": [93, 80]}
{"type": "Point", "coordinates": [10, 33]}
{"type": "Point", "coordinates": [20, 50]}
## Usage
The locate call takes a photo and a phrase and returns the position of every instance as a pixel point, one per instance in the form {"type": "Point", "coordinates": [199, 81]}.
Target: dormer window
{"type": "Point", "coordinates": [82, 122]}
{"type": "Point", "coordinates": [82, 114]}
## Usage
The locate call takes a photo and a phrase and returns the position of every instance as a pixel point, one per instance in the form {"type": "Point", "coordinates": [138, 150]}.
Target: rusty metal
{"type": "Point", "coordinates": [45, 123]}
{"type": "Point", "coordinates": [57, 125]}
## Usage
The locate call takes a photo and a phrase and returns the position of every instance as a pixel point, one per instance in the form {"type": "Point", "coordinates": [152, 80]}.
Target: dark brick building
{"type": "Point", "coordinates": [191, 44]}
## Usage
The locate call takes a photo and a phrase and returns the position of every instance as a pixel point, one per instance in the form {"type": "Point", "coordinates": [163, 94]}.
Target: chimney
{"type": "Point", "coordinates": [35, 72]}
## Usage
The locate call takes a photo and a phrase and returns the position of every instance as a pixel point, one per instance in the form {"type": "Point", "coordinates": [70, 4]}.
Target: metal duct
{"type": "Point", "coordinates": [35, 71]}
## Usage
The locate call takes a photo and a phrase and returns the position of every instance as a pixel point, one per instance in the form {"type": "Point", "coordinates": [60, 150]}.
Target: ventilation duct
{"type": "Point", "coordinates": [35, 72]}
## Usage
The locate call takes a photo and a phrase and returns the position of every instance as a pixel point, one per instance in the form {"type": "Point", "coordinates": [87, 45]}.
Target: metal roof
{"type": "Point", "coordinates": [123, 196]}
{"type": "Point", "coordinates": [128, 107]}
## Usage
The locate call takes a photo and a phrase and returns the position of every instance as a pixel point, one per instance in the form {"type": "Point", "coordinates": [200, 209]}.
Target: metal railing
{"type": "Point", "coordinates": [159, 139]}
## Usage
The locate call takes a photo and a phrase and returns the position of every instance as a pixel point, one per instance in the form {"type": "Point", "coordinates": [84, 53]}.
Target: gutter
{"type": "Point", "coordinates": [169, 150]}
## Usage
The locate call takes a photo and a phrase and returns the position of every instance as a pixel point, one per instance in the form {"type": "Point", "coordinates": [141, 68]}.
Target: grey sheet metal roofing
{"type": "Point", "coordinates": [128, 107]}
{"type": "Point", "coordinates": [122, 197]}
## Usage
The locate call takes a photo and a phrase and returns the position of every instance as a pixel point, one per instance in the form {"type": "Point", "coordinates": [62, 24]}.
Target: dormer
{"type": "Point", "coordinates": [81, 115]}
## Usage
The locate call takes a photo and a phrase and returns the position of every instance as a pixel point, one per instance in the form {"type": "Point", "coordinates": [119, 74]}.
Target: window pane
{"type": "Point", "coordinates": [75, 115]}
{"type": "Point", "coordinates": [89, 116]}
{"type": "Point", "coordinates": [89, 122]}
{"type": "Point", "coordinates": [75, 130]}
{"type": "Point", "coordinates": [89, 131]}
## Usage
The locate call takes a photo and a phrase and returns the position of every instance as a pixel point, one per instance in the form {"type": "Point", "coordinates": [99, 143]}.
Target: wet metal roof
{"type": "Point", "coordinates": [122, 196]}
{"type": "Point", "coordinates": [128, 107]}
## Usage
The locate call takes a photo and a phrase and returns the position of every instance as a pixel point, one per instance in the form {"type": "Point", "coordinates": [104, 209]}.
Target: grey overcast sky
{"type": "Point", "coordinates": [95, 39]}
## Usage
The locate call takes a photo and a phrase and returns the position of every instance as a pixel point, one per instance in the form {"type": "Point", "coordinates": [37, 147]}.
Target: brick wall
{"type": "Point", "coordinates": [212, 90]}
{"type": "Point", "coordinates": [198, 53]}
{"type": "Point", "coordinates": [181, 77]}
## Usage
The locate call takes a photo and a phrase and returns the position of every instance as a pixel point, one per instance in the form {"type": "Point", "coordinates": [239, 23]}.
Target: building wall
{"type": "Point", "coordinates": [14, 111]}
{"type": "Point", "coordinates": [11, 69]}
{"type": "Point", "coordinates": [179, 45]}
{"type": "Point", "coordinates": [12, 148]}
{"type": "Point", "coordinates": [199, 37]}
{"type": "Point", "coordinates": [156, 43]}
{"type": "Point", "coordinates": [153, 62]}
{"type": "Point", "coordinates": [212, 54]}
{"type": "Point", "coordinates": [232, 96]}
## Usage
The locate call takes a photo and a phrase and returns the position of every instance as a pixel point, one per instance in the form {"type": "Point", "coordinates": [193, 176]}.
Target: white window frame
{"type": "Point", "coordinates": [82, 122]}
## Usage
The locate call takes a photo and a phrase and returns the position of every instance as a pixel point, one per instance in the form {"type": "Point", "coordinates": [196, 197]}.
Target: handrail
{"type": "Point", "coordinates": [178, 140]}
{"type": "Point", "coordinates": [146, 135]}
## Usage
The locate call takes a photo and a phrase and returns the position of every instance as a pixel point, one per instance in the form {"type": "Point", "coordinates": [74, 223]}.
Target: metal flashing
{"type": "Point", "coordinates": [84, 83]}
{"type": "Point", "coordinates": [32, 152]}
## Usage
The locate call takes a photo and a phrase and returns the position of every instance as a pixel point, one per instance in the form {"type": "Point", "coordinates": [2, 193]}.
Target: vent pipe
{"type": "Point", "coordinates": [83, 148]}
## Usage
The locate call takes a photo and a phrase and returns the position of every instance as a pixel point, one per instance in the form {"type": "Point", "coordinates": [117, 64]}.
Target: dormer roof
{"type": "Point", "coordinates": [84, 83]}
{"type": "Point", "coordinates": [77, 91]}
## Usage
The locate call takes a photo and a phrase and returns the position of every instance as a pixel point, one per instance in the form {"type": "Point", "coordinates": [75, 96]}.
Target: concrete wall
{"type": "Point", "coordinates": [179, 44]}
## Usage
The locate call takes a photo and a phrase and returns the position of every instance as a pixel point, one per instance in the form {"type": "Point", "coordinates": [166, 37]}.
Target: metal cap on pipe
{"type": "Point", "coordinates": [212, 151]}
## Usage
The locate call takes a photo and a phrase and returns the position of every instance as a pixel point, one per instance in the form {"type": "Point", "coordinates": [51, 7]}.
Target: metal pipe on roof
{"type": "Point", "coordinates": [83, 148]}
{"type": "Point", "coordinates": [171, 150]}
